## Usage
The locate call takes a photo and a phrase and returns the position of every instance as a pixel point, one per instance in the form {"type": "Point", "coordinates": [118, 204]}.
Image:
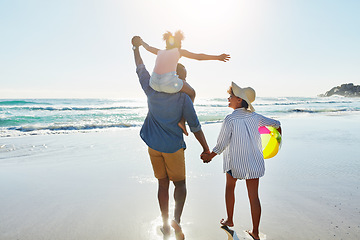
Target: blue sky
{"type": "Point", "coordinates": [81, 48]}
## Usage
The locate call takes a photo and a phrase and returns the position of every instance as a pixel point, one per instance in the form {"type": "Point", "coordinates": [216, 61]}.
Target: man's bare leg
{"type": "Point", "coordinates": [163, 198]}
{"type": "Point", "coordinates": [179, 196]}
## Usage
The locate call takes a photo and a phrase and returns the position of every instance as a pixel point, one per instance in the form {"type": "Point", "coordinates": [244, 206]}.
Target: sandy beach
{"type": "Point", "coordinates": [100, 185]}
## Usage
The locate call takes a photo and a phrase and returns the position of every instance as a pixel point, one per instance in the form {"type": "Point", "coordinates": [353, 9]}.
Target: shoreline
{"type": "Point", "coordinates": [67, 116]}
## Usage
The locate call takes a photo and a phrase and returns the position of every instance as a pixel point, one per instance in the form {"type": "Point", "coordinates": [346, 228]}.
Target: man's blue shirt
{"type": "Point", "coordinates": [160, 130]}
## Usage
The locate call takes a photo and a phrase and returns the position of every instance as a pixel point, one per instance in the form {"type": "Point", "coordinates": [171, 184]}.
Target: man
{"type": "Point", "coordinates": [165, 141]}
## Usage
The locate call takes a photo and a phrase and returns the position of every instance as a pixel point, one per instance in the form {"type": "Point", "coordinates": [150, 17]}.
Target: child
{"type": "Point", "coordinates": [240, 140]}
{"type": "Point", "coordinates": [164, 78]}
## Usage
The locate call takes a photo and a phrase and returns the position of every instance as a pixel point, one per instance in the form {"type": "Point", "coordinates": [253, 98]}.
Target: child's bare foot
{"type": "Point", "coordinates": [227, 223]}
{"type": "Point", "coordinates": [182, 125]}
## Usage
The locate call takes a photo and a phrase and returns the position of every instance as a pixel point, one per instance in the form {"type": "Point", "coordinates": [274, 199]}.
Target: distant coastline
{"type": "Point", "coordinates": [346, 90]}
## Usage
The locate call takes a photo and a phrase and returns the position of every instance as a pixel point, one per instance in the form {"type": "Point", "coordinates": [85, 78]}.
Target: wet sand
{"type": "Point", "coordinates": [100, 186]}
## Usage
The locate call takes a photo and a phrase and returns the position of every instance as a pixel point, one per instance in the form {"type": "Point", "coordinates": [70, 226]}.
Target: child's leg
{"type": "Point", "coordinates": [182, 125]}
{"type": "Point", "coordinates": [229, 200]}
{"type": "Point", "coordinates": [191, 93]}
{"type": "Point", "coordinates": [252, 187]}
{"type": "Point", "coordinates": [188, 90]}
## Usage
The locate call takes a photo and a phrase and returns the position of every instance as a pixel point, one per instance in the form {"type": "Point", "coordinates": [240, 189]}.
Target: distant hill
{"type": "Point", "coordinates": [346, 90]}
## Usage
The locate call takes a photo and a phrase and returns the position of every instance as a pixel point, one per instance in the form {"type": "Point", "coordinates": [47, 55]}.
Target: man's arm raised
{"type": "Point", "coordinates": [136, 42]}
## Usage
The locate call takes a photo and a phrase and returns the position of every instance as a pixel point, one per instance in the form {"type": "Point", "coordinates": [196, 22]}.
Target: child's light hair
{"type": "Point", "coordinates": [173, 41]}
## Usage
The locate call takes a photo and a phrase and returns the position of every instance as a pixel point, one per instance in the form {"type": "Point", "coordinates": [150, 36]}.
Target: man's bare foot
{"type": "Point", "coordinates": [165, 230]}
{"type": "Point", "coordinates": [254, 236]}
{"type": "Point", "coordinates": [178, 231]}
{"type": "Point", "coordinates": [227, 223]}
{"type": "Point", "coordinates": [182, 125]}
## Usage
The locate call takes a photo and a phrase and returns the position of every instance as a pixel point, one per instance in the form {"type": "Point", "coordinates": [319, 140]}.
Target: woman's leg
{"type": "Point", "coordinates": [252, 187]}
{"type": "Point", "coordinates": [229, 200]}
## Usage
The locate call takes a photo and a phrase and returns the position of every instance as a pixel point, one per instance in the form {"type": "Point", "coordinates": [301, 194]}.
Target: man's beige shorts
{"type": "Point", "coordinates": [168, 165]}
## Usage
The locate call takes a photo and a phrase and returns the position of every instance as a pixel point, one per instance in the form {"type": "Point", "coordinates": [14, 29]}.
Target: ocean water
{"type": "Point", "coordinates": [87, 181]}
{"type": "Point", "coordinates": [20, 117]}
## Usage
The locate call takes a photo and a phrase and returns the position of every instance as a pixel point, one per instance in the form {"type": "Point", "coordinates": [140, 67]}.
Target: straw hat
{"type": "Point", "coordinates": [248, 94]}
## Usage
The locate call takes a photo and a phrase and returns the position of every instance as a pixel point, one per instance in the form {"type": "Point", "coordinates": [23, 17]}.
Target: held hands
{"type": "Point", "coordinates": [224, 57]}
{"type": "Point", "coordinates": [206, 157]}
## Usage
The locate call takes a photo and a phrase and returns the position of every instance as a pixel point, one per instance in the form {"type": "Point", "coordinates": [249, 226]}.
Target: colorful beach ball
{"type": "Point", "coordinates": [270, 140]}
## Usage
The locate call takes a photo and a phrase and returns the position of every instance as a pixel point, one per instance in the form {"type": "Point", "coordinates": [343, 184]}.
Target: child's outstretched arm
{"type": "Point", "coordinates": [201, 56]}
{"type": "Point", "coordinates": [149, 48]}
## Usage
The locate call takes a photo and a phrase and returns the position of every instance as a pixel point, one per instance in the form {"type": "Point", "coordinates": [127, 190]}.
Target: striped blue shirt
{"type": "Point", "coordinates": [240, 140]}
